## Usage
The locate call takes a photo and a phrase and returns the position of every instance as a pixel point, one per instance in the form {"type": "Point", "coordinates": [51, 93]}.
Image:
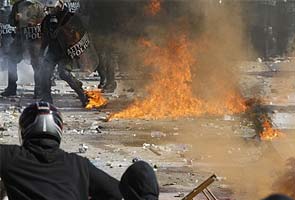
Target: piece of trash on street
{"type": "Point", "coordinates": [157, 134]}
{"type": "Point", "coordinates": [83, 148]}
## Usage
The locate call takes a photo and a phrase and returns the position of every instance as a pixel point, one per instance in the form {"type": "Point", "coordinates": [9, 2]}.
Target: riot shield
{"type": "Point", "coordinates": [29, 16]}
{"type": "Point", "coordinates": [76, 44]}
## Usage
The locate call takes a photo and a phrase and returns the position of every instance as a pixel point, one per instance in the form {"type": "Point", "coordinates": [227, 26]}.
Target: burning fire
{"type": "Point", "coordinates": [154, 7]}
{"type": "Point", "coordinates": [96, 99]}
{"type": "Point", "coordinates": [170, 93]}
{"type": "Point", "coordinates": [269, 133]}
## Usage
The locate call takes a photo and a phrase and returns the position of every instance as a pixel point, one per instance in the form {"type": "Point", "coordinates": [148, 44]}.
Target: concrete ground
{"type": "Point", "coordinates": [184, 152]}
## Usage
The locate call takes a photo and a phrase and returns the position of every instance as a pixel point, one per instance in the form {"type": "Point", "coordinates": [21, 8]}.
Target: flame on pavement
{"type": "Point", "coordinates": [170, 93]}
{"type": "Point", "coordinates": [269, 133]}
{"type": "Point", "coordinates": [96, 99]}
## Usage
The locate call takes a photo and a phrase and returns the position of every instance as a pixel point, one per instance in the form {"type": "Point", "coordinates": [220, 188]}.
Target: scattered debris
{"type": "Point", "coordinates": [228, 118]}
{"type": "Point", "coordinates": [83, 148]}
{"type": "Point", "coordinates": [157, 134]}
{"type": "Point", "coordinates": [135, 160]}
{"type": "Point", "coordinates": [169, 184]}
{"type": "Point", "coordinates": [130, 90]}
{"type": "Point", "coordinates": [179, 194]}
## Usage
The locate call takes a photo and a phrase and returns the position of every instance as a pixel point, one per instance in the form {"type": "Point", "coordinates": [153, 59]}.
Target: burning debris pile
{"type": "Point", "coordinates": [259, 115]}
{"type": "Point", "coordinates": [96, 100]}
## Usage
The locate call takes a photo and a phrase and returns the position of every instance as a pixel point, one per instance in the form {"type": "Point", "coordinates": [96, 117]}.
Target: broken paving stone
{"type": "Point", "coordinates": [179, 194]}
{"type": "Point", "coordinates": [221, 178]}
{"type": "Point", "coordinates": [228, 118]}
{"type": "Point", "coordinates": [146, 145]}
{"type": "Point", "coordinates": [169, 184]}
{"type": "Point", "coordinates": [223, 186]}
{"type": "Point", "coordinates": [130, 90]}
{"type": "Point", "coordinates": [157, 134]}
{"type": "Point", "coordinates": [98, 130]}
{"type": "Point", "coordinates": [5, 134]}
{"type": "Point", "coordinates": [135, 160]}
{"type": "Point", "coordinates": [83, 148]}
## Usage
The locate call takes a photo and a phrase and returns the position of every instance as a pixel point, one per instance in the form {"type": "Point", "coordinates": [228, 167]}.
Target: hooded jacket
{"type": "Point", "coordinates": [277, 197]}
{"type": "Point", "coordinates": [40, 170]}
{"type": "Point", "coordinates": [139, 182]}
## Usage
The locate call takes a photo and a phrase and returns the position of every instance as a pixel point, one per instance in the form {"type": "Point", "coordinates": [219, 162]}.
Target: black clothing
{"type": "Point", "coordinates": [106, 70]}
{"type": "Point", "coordinates": [40, 170]}
{"type": "Point", "coordinates": [56, 55]}
{"type": "Point", "coordinates": [18, 48]}
{"type": "Point", "coordinates": [277, 197]}
{"type": "Point", "coordinates": [6, 32]}
{"type": "Point", "coordinates": [139, 182]}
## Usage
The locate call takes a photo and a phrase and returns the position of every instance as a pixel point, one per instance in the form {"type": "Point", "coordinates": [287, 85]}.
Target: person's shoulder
{"type": "Point", "coordinates": [9, 149]}
{"type": "Point", "coordinates": [75, 156]}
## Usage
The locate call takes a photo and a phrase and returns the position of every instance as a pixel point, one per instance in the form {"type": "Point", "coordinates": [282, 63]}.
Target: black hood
{"type": "Point", "coordinates": [45, 150]}
{"type": "Point", "coordinates": [277, 197]}
{"type": "Point", "coordinates": [139, 182]}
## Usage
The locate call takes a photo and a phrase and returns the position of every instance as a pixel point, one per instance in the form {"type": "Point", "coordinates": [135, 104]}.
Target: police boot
{"type": "Point", "coordinates": [9, 91]}
{"type": "Point", "coordinates": [75, 84]}
{"type": "Point", "coordinates": [47, 98]}
{"type": "Point", "coordinates": [37, 87]}
{"type": "Point", "coordinates": [84, 100]}
{"type": "Point", "coordinates": [37, 93]}
{"type": "Point", "coordinates": [12, 79]}
{"type": "Point", "coordinates": [102, 81]}
{"type": "Point", "coordinates": [11, 88]}
{"type": "Point", "coordinates": [110, 87]}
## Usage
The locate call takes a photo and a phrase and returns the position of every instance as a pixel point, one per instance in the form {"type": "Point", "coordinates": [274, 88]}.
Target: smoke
{"type": "Point", "coordinates": [25, 74]}
{"type": "Point", "coordinates": [220, 47]}
{"type": "Point", "coordinates": [285, 183]}
{"type": "Point", "coordinates": [218, 42]}
{"type": "Point", "coordinates": [215, 31]}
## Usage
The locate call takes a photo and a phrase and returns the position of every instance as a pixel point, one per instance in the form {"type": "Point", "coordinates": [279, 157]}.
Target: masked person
{"type": "Point", "coordinates": [26, 16]}
{"type": "Point", "coordinates": [58, 34]}
{"type": "Point", "coordinates": [277, 197]}
{"type": "Point", "coordinates": [39, 169]}
{"type": "Point", "coordinates": [139, 182]}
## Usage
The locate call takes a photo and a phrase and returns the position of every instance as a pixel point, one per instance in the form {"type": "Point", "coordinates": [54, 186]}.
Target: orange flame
{"type": "Point", "coordinates": [170, 93]}
{"type": "Point", "coordinates": [154, 7]}
{"type": "Point", "coordinates": [95, 98]}
{"type": "Point", "coordinates": [269, 133]}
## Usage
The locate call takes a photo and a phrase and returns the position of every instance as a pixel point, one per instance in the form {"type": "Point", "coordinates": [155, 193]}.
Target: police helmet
{"type": "Point", "coordinates": [40, 120]}
{"type": "Point", "coordinates": [54, 3]}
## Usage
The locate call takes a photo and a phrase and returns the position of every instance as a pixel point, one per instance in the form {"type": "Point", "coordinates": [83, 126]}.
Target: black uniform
{"type": "Point", "coordinates": [56, 55]}
{"type": "Point", "coordinates": [41, 170]}
{"type": "Point", "coordinates": [24, 42]}
{"type": "Point", "coordinates": [106, 70]}
{"type": "Point", "coordinates": [6, 32]}
{"type": "Point", "coordinates": [107, 58]}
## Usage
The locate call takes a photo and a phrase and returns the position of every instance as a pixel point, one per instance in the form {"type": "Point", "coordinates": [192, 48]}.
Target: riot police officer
{"type": "Point", "coordinates": [26, 16]}
{"type": "Point", "coordinates": [6, 32]}
{"type": "Point", "coordinates": [56, 37]}
{"type": "Point", "coordinates": [107, 57]}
